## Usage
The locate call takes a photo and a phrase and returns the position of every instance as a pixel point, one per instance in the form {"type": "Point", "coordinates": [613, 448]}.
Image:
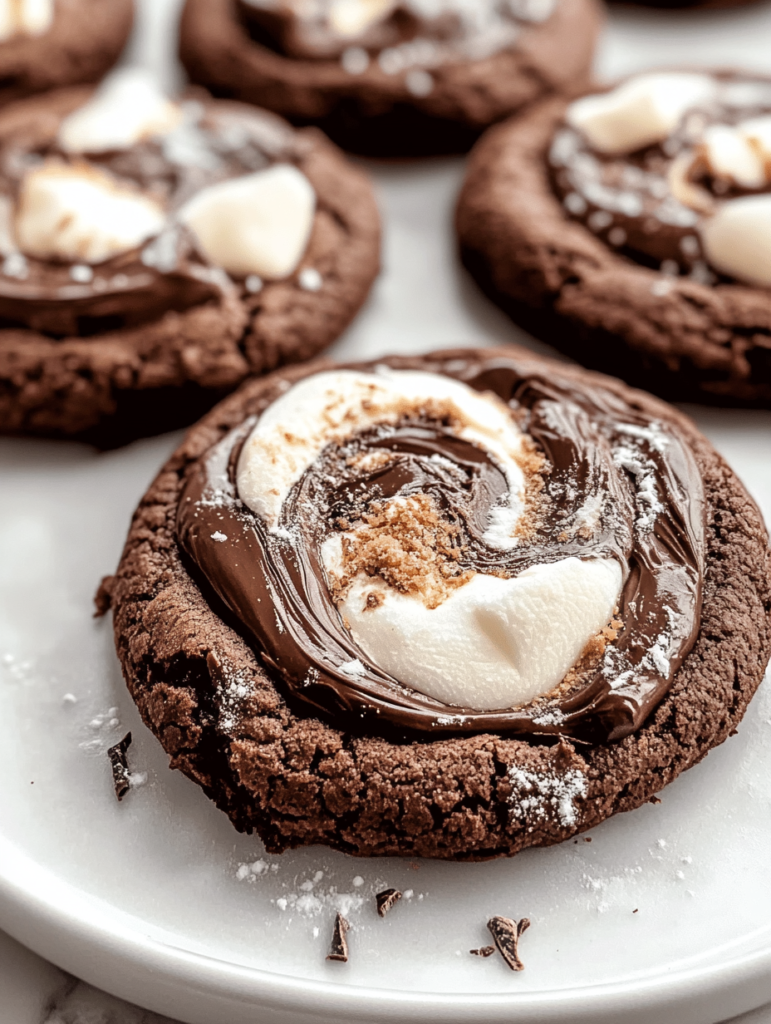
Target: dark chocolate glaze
{"type": "Point", "coordinates": [280, 27]}
{"type": "Point", "coordinates": [639, 476]}
{"type": "Point", "coordinates": [628, 200]}
{"type": "Point", "coordinates": [213, 142]}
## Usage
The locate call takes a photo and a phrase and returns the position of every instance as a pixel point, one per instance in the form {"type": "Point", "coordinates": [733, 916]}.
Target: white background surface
{"type": "Point", "coordinates": [695, 867]}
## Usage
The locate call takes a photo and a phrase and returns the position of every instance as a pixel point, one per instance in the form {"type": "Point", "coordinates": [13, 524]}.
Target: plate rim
{"type": "Point", "coordinates": [75, 935]}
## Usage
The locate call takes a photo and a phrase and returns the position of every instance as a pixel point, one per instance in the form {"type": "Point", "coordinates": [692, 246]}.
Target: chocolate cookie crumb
{"type": "Point", "coordinates": [483, 951]}
{"type": "Point", "coordinates": [387, 899]}
{"type": "Point", "coordinates": [103, 597]}
{"type": "Point", "coordinates": [506, 934]}
{"type": "Point", "coordinates": [339, 947]}
{"type": "Point", "coordinates": [120, 770]}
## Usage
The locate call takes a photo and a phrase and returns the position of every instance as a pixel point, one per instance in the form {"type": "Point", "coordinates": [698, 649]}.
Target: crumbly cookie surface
{"type": "Point", "coordinates": [295, 779]}
{"type": "Point", "coordinates": [110, 385]}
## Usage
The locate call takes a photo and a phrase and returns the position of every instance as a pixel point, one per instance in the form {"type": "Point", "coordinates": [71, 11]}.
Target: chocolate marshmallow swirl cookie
{"type": "Point", "coordinates": [390, 77]}
{"type": "Point", "coordinates": [450, 606]}
{"type": "Point", "coordinates": [632, 229]}
{"type": "Point", "coordinates": [45, 44]}
{"type": "Point", "coordinates": [152, 254]}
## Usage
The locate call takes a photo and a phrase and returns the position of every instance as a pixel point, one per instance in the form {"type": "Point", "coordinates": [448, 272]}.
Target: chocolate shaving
{"type": "Point", "coordinates": [506, 934]}
{"type": "Point", "coordinates": [483, 951]}
{"type": "Point", "coordinates": [120, 769]}
{"type": "Point", "coordinates": [386, 900]}
{"type": "Point", "coordinates": [339, 947]}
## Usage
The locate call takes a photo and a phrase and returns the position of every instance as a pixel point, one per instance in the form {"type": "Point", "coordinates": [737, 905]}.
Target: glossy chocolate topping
{"type": "Point", "coordinates": [613, 484]}
{"type": "Point", "coordinates": [409, 32]}
{"type": "Point", "coordinates": [649, 204]}
{"type": "Point", "coordinates": [212, 143]}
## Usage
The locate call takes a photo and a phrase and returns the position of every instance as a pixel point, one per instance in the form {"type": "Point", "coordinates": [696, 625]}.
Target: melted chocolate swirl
{"type": "Point", "coordinates": [615, 485]}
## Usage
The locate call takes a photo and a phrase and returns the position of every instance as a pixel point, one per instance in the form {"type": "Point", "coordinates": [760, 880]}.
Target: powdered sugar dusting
{"type": "Point", "coordinates": [547, 796]}
{"type": "Point", "coordinates": [235, 687]}
{"type": "Point", "coordinates": [354, 668]}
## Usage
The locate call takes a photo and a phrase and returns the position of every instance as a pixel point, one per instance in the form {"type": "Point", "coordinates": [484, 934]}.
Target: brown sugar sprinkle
{"type": "Point", "coordinates": [407, 544]}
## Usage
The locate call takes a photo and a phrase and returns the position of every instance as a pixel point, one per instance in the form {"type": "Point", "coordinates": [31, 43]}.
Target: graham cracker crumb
{"type": "Point", "coordinates": [408, 544]}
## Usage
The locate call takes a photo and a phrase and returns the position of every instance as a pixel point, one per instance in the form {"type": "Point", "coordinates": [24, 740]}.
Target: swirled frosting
{"type": "Point", "coordinates": [673, 170]}
{"type": "Point", "coordinates": [471, 547]}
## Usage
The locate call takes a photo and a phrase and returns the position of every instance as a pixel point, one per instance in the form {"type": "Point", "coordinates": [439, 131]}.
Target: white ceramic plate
{"type": "Point", "coordinates": [158, 900]}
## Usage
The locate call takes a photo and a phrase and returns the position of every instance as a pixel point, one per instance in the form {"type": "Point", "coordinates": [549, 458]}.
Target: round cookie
{"type": "Point", "coordinates": [277, 763]}
{"type": "Point", "coordinates": [391, 78]}
{"type": "Point", "coordinates": [46, 44]}
{"type": "Point", "coordinates": [154, 254]}
{"type": "Point", "coordinates": [640, 253]}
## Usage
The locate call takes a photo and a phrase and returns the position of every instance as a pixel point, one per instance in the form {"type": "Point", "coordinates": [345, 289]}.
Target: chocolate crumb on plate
{"type": "Point", "coordinates": [120, 770]}
{"type": "Point", "coordinates": [506, 934]}
{"type": "Point", "coordinates": [483, 951]}
{"type": "Point", "coordinates": [339, 947]}
{"type": "Point", "coordinates": [386, 900]}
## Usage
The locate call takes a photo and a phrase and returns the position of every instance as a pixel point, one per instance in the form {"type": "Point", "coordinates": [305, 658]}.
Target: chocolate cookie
{"type": "Point", "coordinates": [46, 44]}
{"type": "Point", "coordinates": [391, 77]}
{"type": "Point", "coordinates": [156, 253]}
{"type": "Point", "coordinates": [631, 230]}
{"type": "Point", "coordinates": [450, 606]}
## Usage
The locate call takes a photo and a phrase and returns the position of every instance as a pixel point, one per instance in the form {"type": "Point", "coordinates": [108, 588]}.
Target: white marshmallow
{"type": "Point", "coordinates": [757, 131]}
{"type": "Point", "coordinates": [25, 17]}
{"type": "Point", "coordinates": [328, 408]}
{"type": "Point", "coordinates": [731, 155]}
{"type": "Point", "coordinates": [257, 224]}
{"type": "Point", "coordinates": [493, 643]}
{"type": "Point", "coordinates": [737, 239]}
{"type": "Point", "coordinates": [127, 108]}
{"type": "Point", "coordinates": [640, 112]}
{"type": "Point", "coordinates": [350, 18]}
{"type": "Point", "coordinates": [81, 213]}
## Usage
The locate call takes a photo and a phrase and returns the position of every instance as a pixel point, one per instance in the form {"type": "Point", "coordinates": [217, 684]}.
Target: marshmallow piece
{"type": "Point", "coordinates": [493, 643]}
{"type": "Point", "coordinates": [757, 131]}
{"type": "Point", "coordinates": [127, 108]}
{"type": "Point", "coordinates": [737, 239]}
{"type": "Point", "coordinates": [350, 18]}
{"type": "Point", "coordinates": [257, 224]}
{"type": "Point", "coordinates": [730, 154]}
{"type": "Point", "coordinates": [80, 213]}
{"type": "Point", "coordinates": [25, 17]}
{"type": "Point", "coordinates": [638, 113]}
{"type": "Point", "coordinates": [328, 408]}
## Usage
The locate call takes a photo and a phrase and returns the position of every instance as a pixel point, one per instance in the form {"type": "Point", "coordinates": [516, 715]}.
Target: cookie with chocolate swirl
{"type": "Point", "coordinates": [390, 77]}
{"type": "Point", "coordinates": [153, 253]}
{"type": "Point", "coordinates": [451, 606]}
{"type": "Point", "coordinates": [630, 229]}
{"type": "Point", "coordinates": [47, 44]}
